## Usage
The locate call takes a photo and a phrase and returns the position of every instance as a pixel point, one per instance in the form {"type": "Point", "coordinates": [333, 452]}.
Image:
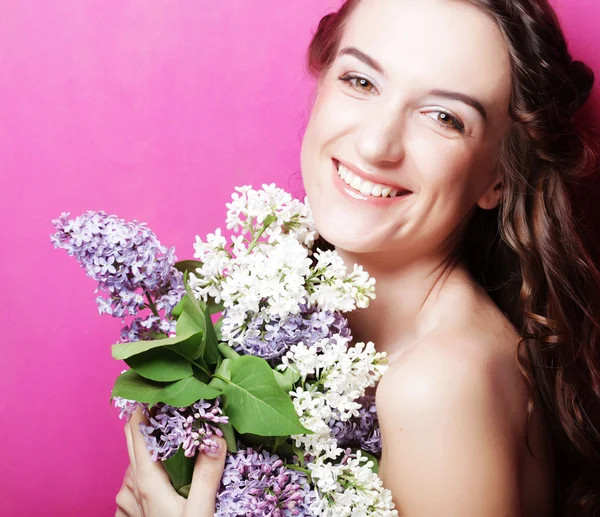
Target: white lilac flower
{"type": "Point", "coordinates": [250, 208]}
{"type": "Point", "coordinates": [333, 288]}
{"type": "Point", "coordinates": [340, 369]}
{"type": "Point", "coordinates": [314, 411]}
{"type": "Point", "coordinates": [268, 283]}
{"type": "Point", "coordinates": [206, 280]}
{"type": "Point", "coordinates": [349, 488]}
{"type": "Point", "coordinates": [259, 484]}
{"type": "Point", "coordinates": [335, 376]}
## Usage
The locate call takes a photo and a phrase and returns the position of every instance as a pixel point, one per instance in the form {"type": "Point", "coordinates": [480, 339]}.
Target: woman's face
{"type": "Point", "coordinates": [382, 112]}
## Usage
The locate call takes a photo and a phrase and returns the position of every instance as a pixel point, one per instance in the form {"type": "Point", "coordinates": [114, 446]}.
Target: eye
{"type": "Point", "coordinates": [358, 83]}
{"type": "Point", "coordinates": [449, 121]}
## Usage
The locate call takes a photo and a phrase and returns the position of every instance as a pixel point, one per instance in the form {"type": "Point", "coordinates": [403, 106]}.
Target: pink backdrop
{"type": "Point", "coordinates": [152, 110]}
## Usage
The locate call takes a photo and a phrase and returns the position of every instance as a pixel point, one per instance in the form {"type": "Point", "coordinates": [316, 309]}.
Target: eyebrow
{"type": "Point", "coordinates": [457, 96]}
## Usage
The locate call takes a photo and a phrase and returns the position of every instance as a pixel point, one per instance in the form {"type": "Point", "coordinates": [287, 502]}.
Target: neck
{"type": "Point", "coordinates": [406, 298]}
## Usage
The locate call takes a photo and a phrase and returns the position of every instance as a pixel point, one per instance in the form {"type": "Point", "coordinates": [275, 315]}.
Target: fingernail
{"type": "Point", "coordinates": [215, 452]}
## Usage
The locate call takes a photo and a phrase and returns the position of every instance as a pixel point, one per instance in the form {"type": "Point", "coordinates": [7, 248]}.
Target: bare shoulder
{"type": "Point", "coordinates": [447, 419]}
{"type": "Point", "coordinates": [458, 371]}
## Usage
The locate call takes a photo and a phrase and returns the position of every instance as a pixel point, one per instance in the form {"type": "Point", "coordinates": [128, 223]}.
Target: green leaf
{"type": "Point", "coordinates": [185, 392]}
{"type": "Point", "coordinates": [200, 369]}
{"type": "Point", "coordinates": [191, 348]}
{"type": "Point", "coordinates": [217, 384]}
{"type": "Point", "coordinates": [157, 335]}
{"type": "Point", "coordinates": [299, 453]}
{"type": "Point", "coordinates": [256, 404]}
{"type": "Point", "coordinates": [224, 370]}
{"type": "Point", "coordinates": [176, 312]}
{"type": "Point", "coordinates": [285, 450]}
{"type": "Point", "coordinates": [126, 350]}
{"type": "Point", "coordinates": [228, 352]}
{"type": "Point", "coordinates": [184, 491]}
{"type": "Point", "coordinates": [211, 351]}
{"type": "Point", "coordinates": [180, 469]}
{"type": "Point", "coordinates": [287, 379]}
{"type": "Point", "coordinates": [214, 307]}
{"type": "Point", "coordinates": [229, 435]}
{"type": "Point", "coordinates": [375, 467]}
{"type": "Point", "coordinates": [217, 327]}
{"type": "Point", "coordinates": [195, 317]}
{"type": "Point", "coordinates": [187, 265]}
{"type": "Point", "coordinates": [192, 317]}
{"type": "Point", "coordinates": [160, 364]}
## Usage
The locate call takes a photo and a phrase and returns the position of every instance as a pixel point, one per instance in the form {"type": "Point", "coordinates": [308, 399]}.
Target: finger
{"type": "Point", "coordinates": [130, 452]}
{"type": "Point", "coordinates": [144, 466]}
{"type": "Point", "coordinates": [206, 480]}
{"type": "Point", "coordinates": [126, 503]}
{"type": "Point", "coordinates": [127, 481]}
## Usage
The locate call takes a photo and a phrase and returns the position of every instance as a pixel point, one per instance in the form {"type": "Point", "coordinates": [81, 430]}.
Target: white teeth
{"type": "Point", "coordinates": [356, 183]}
{"type": "Point", "coordinates": [365, 187]}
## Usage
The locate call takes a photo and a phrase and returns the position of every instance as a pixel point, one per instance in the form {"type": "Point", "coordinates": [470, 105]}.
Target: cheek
{"type": "Point", "coordinates": [322, 128]}
{"type": "Point", "coordinates": [453, 171]}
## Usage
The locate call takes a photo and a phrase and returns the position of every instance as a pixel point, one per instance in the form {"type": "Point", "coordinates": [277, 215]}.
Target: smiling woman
{"type": "Point", "coordinates": [440, 155]}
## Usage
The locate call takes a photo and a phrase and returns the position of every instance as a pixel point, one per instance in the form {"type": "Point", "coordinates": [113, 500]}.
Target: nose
{"type": "Point", "coordinates": [380, 140]}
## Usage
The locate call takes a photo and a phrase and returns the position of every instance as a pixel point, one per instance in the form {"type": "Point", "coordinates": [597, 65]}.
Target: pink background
{"type": "Point", "coordinates": [150, 109]}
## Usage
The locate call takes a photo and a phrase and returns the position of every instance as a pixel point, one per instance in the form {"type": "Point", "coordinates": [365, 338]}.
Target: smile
{"type": "Point", "coordinates": [367, 187]}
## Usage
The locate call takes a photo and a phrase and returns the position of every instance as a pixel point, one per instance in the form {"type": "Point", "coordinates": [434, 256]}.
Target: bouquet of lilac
{"type": "Point", "coordinates": [247, 342]}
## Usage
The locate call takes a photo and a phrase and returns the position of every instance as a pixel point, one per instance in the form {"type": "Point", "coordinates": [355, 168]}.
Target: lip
{"type": "Point", "coordinates": [369, 176]}
{"type": "Point", "coordinates": [364, 198]}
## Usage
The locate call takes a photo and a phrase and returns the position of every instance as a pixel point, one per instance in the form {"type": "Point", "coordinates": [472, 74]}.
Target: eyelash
{"type": "Point", "coordinates": [348, 78]}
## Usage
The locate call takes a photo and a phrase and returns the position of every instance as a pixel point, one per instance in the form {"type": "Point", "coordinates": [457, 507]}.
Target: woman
{"type": "Point", "coordinates": [439, 155]}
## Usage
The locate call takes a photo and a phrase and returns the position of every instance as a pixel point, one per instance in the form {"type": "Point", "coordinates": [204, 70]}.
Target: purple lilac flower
{"type": "Point", "coordinates": [192, 428]}
{"type": "Point", "coordinates": [130, 266]}
{"type": "Point", "coordinates": [259, 484]}
{"type": "Point", "coordinates": [126, 407]}
{"type": "Point", "coordinates": [271, 340]}
{"type": "Point", "coordinates": [361, 431]}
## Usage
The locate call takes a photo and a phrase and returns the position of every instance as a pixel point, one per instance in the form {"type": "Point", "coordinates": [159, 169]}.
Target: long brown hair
{"type": "Point", "coordinates": [530, 254]}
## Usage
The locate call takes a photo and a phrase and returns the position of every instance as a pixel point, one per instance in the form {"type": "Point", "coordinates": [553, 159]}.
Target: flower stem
{"type": "Point", "coordinates": [299, 469]}
{"type": "Point", "coordinates": [151, 303]}
{"type": "Point", "coordinates": [267, 222]}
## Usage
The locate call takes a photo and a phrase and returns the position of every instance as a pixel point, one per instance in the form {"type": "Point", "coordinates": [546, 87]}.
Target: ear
{"type": "Point", "coordinates": [492, 197]}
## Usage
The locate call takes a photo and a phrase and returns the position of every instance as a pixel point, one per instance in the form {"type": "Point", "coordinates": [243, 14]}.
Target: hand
{"type": "Point", "coordinates": [147, 490]}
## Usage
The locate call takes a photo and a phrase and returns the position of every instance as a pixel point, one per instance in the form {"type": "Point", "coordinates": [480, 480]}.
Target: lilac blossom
{"type": "Point", "coordinates": [133, 270]}
{"type": "Point", "coordinates": [260, 484]}
{"type": "Point", "coordinates": [361, 431]}
{"type": "Point", "coordinates": [193, 428]}
{"type": "Point", "coordinates": [271, 340]}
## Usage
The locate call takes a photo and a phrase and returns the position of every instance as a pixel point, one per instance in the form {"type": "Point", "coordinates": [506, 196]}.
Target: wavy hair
{"type": "Point", "coordinates": [530, 253]}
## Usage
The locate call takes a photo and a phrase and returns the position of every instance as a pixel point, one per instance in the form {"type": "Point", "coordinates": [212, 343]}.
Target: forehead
{"type": "Point", "coordinates": [448, 44]}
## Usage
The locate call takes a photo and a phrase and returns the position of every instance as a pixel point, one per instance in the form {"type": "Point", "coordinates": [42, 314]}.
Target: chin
{"type": "Point", "coordinates": [345, 236]}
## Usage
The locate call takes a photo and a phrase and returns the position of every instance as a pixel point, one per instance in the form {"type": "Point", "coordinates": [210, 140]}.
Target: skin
{"type": "Point", "coordinates": [452, 406]}
{"type": "Point", "coordinates": [146, 490]}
